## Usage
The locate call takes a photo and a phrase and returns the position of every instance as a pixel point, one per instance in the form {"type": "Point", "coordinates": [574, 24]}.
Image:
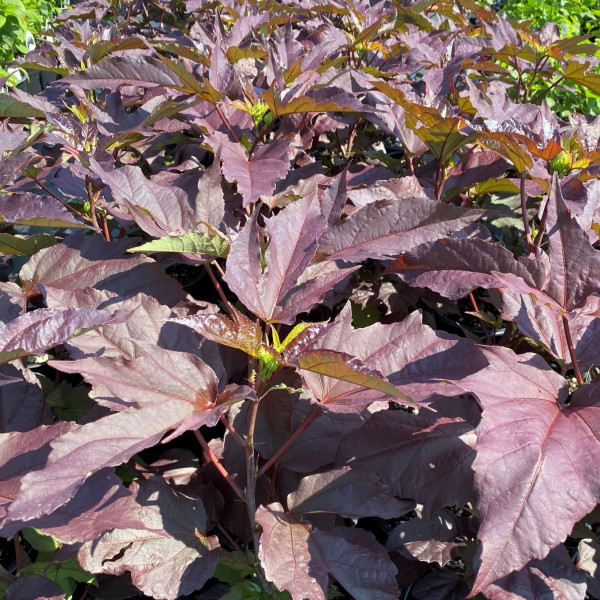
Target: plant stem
{"type": "Point", "coordinates": [476, 309]}
{"type": "Point", "coordinates": [227, 125]}
{"type": "Point", "coordinates": [219, 289]}
{"type": "Point", "coordinates": [229, 538]}
{"type": "Point", "coordinates": [18, 551]}
{"type": "Point", "coordinates": [526, 227]}
{"type": "Point", "coordinates": [284, 448]}
{"type": "Point", "coordinates": [571, 348]}
{"type": "Point", "coordinates": [540, 233]}
{"type": "Point", "coordinates": [236, 436]}
{"type": "Point", "coordinates": [59, 199]}
{"type": "Point", "coordinates": [215, 461]}
{"type": "Point", "coordinates": [251, 474]}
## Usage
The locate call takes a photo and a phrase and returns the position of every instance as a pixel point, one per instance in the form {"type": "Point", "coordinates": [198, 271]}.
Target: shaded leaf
{"type": "Point", "coordinates": [11, 244]}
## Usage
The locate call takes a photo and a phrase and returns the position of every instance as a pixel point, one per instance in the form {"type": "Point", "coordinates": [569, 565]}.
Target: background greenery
{"type": "Point", "coordinates": [19, 20]}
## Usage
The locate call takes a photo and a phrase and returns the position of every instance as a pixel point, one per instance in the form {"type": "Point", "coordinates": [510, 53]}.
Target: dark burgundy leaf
{"type": "Point", "coordinates": [33, 210]}
{"type": "Point", "coordinates": [103, 503]}
{"type": "Point", "coordinates": [352, 493]}
{"type": "Point", "coordinates": [430, 540]}
{"type": "Point", "coordinates": [256, 175]}
{"type": "Point", "coordinates": [21, 453]}
{"type": "Point", "coordinates": [527, 441]}
{"type": "Point", "coordinates": [36, 332]}
{"type": "Point", "coordinates": [298, 559]}
{"type": "Point", "coordinates": [555, 577]}
{"type": "Point", "coordinates": [421, 457]}
{"type": "Point", "coordinates": [22, 406]}
{"type": "Point", "coordinates": [91, 262]}
{"type": "Point", "coordinates": [34, 587]}
{"type": "Point", "coordinates": [154, 394]}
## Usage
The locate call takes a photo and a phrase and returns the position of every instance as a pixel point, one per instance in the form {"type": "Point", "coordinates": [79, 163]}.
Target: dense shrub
{"type": "Point", "coordinates": [300, 300]}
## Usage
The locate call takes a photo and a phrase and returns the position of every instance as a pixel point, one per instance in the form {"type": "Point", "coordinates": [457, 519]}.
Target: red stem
{"type": "Point", "coordinates": [284, 448]}
{"type": "Point", "coordinates": [227, 125]}
{"type": "Point", "coordinates": [215, 461]}
{"type": "Point", "coordinates": [65, 204]}
{"type": "Point", "coordinates": [219, 289]}
{"type": "Point", "coordinates": [18, 551]}
{"type": "Point", "coordinates": [236, 436]}
{"type": "Point", "coordinates": [476, 309]}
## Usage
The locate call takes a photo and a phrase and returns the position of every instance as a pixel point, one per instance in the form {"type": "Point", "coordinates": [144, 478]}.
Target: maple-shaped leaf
{"type": "Point", "coordinates": [294, 232]}
{"type": "Point", "coordinates": [554, 576]}
{"type": "Point", "coordinates": [40, 211]}
{"type": "Point", "coordinates": [352, 493]}
{"type": "Point", "coordinates": [422, 457]}
{"type": "Point", "coordinates": [80, 262]}
{"type": "Point", "coordinates": [153, 394]}
{"type": "Point", "coordinates": [528, 440]}
{"type": "Point", "coordinates": [158, 210]}
{"type": "Point", "coordinates": [37, 331]}
{"type": "Point", "coordinates": [453, 267]}
{"type": "Point", "coordinates": [297, 558]}
{"type": "Point", "coordinates": [386, 228]}
{"type": "Point", "coordinates": [256, 174]}
{"type": "Point", "coordinates": [169, 555]}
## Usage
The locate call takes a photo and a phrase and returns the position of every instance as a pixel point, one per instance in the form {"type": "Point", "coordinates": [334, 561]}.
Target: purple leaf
{"type": "Point", "coordinates": [100, 505]}
{"type": "Point", "coordinates": [21, 453]}
{"type": "Point", "coordinates": [527, 441]}
{"type": "Point", "coordinates": [34, 587]}
{"type": "Point", "coordinates": [256, 175]}
{"type": "Point", "coordinates": [298, 559]}
{"type": "Point", "coordinates": [429, 540]}
{"type": "Point", "coordinates": [33, 210]}
{"type": "Point", "coordinates": [294, 232]}
{"type": "Point", "coordinates": [35, 332]}
{"type": "Point", "coordinates": [113, 72]}
{"type": "Point", "coordinates": [351, 493]}
{"type": "Point", "coordinates": [170, 556]}
{"type": "Point", "coordinates": [575, 263]}
{"type": "Point", "coordinates": [81, 262]}
{"type": "Point", "coordinates": [22, 405]}
{"type": "Point", "coordinates": [154, 394]}
{"type": "Point", "coordinates": [553, 577]}
{"type": "Point", "coordinates": [389, 227]}
{"type": "Point", "coordinates": [421, 457]}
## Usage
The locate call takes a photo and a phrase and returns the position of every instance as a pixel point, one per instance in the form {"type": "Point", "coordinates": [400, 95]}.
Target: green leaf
{"type": "Point", "coordinates": [39, 541]}
{"type": "Point", "coordinates": [20, 246]}
{"type": "Point", "coordinates": [234, 568]}
{"type": "Point", "coordinates": [193, 243]}
{"type": "Point", "coordinates": [69, 403]}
